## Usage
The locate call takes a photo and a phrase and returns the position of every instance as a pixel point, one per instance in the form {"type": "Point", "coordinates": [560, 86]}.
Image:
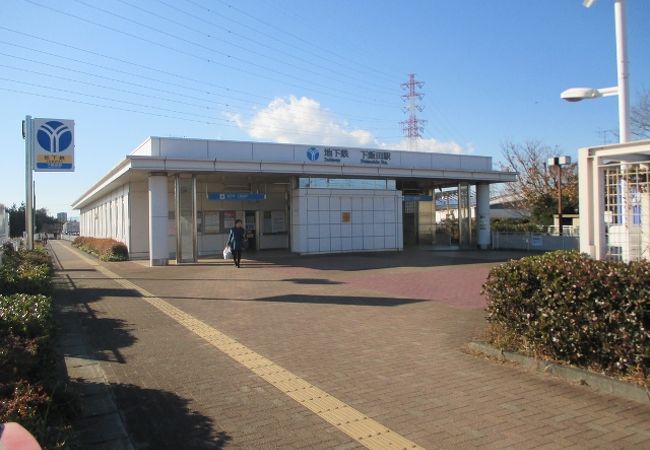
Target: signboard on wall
{"type": "Point", "coordinates": [417, 198]}
{"type": "Point", "coordinates": [236, 196]}
{"type": "Point", "coordinates": [229, 218]}
{"type": "Point", "coordinates": [210, 222]}
{"type": "Point", "coordinates": [53, 141]}
{"type": "Point", "coordinates": [278, 222]}
{"type": "Point", "coordinates": [342, 155]}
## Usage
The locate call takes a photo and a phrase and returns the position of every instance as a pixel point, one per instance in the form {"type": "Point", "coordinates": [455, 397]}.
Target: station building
{"type": "Point", "coordinates": [175, 198]}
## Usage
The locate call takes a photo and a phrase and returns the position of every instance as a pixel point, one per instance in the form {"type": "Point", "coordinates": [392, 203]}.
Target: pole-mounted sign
{"type": "Point", "coordinates": [53, 144]}
{"type": "Point", "coordinates": [49, 147]}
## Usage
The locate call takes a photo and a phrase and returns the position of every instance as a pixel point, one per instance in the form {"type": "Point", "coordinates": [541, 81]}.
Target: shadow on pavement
{"type": "Point", "coordinates": [154, 418]}
{"type": "Point", "coordinates": [107, 335]}
{"type": "Point", "coordinates": [312, 281]}
{"type": "Point", "coordinates": [421, 257]}
{"type": "Point", "coordinates": [339, 300]}
{"type": "Point", "coordinates": [309, 299]}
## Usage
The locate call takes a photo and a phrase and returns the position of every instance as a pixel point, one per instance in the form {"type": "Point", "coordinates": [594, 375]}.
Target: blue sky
{"type": "Point", "coordinates": [307, 71]}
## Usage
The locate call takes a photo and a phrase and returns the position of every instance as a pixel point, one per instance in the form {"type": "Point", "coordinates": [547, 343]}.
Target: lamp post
{"type": "Point", "coordinates": [558, 162]}
{"type": "Point", "coordinates": [578, 94]}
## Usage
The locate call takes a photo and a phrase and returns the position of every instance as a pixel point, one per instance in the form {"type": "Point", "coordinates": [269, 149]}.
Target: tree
{"type": "Point", "coordinates": [17, 220]}
{"type": "Point", "coordinates": [640, 116]}
{"type": "Point", "coordinates": [536, 186]}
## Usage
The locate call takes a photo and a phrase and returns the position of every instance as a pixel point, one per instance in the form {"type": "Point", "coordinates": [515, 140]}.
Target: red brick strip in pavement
{"type": "Point", "coordinates": [455, 286]}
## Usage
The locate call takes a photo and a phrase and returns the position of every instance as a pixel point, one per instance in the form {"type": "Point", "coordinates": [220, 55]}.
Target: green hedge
{"type": "Point", "coordinates": [28, 272]}
{"type": "Point", "coordinates": [30, 390]}
{"type": "Point", "coordinates": [105, 249]}
{"type": "Point", "coordinates": [25, 315]}
{"type": "Point", "coordinates": [571, 308]}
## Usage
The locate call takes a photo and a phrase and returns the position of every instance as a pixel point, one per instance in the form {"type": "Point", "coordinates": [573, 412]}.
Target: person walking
{"type": "Point", "coordinates": [236, 241]}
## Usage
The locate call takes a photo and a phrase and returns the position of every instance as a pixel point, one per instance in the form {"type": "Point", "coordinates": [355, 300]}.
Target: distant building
{"type": "Point", "coordinates": [62, 217]}
{"type": "Point", "coordinates": [71, 228]}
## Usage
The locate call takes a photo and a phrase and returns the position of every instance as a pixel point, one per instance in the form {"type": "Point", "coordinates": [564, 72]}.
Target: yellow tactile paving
{"type": "Point", "coordinates": [368, 432]}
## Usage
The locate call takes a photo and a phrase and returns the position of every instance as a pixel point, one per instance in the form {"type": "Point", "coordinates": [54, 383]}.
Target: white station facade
{"type": "Point", "coordinates": [175, 198]}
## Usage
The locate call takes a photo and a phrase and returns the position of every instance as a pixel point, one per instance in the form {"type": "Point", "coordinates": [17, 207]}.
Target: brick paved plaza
{"type": "Point", "coordinates": [383, 333]}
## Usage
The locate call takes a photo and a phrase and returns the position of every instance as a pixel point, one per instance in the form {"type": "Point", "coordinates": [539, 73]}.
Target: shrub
{"type": "Point", "coordinates": [568, 307]}
{"type": "Point", "coordinates": [28, 372]}
{"type": "Point", "coordinates": [25, 315]}
{"type": "Point", "coordinates": [516, 225]}
{"type": "Point", "coordinates": [26, 272]}
{"type": "Point", "coordinates": [105, 249]}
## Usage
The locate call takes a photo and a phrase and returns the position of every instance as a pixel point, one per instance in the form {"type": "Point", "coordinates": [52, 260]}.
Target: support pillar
{"type": "Point", "coordinates": [483, 215]}
{"type": "Point", "coordinates": [158, 217]}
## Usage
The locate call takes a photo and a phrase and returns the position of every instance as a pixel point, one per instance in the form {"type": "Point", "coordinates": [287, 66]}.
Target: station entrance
{"type": "Point", "coordinates": [203, 209]}
{"type": "Point", "coordinates": [441, 217]}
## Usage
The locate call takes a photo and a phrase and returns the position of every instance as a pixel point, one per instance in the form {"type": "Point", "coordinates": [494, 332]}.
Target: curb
{"type": "Point", "coordinates": [100, 424]}
{"type": "Point", "coordinates": [600, 383]}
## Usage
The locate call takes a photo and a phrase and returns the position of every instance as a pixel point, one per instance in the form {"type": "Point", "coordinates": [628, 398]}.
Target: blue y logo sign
{"type": "Point", "coordinates": [54, 136]}
{"type": "Point", "coordinates": [312, 154]}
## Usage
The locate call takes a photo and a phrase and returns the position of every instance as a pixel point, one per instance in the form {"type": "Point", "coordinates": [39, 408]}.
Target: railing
{"type": "Point", "coordinates": [567, 230]}
{"type": "Point", "coordinates": [533, 241]}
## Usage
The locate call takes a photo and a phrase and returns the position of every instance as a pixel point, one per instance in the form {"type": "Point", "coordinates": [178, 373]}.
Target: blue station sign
{"type": "Point", "coordinates": [417, 198]}
{"type": "Point", "coordinates": [236, 196]}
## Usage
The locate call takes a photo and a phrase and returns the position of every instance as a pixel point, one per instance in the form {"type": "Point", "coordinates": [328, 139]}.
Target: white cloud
{"type": "Point", "coordinates": [303, 120]}
{"type": "Point", "coordinates": [430, 145]}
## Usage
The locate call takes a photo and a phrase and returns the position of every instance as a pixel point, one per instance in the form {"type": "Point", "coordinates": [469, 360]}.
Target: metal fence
{"type": "Point", "coordinates": [533, 241]}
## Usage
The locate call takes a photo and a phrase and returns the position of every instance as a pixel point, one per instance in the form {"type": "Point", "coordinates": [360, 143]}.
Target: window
{"type": "Point", "coordinates": [346, 183]}
{"type": "Point", "coordinates": [274, 222]}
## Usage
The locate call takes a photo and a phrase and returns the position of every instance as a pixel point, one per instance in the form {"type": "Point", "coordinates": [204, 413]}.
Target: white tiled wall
{"type": "Point", "coordinates": [317, 227]}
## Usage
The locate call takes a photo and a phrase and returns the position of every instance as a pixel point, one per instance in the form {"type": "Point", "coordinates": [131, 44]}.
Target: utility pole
{"type": "Point", "coordinates": [29, 183]}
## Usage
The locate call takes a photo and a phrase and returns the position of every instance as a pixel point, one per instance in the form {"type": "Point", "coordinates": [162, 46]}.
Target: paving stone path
{"type": "Point", "coordinates": [383, 334]}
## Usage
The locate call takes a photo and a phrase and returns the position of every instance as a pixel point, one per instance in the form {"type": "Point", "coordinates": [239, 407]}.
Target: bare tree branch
{"type": "Point", "coordinates": [640, 116]}
{"type": "Point", "coordinates": [536, 185]}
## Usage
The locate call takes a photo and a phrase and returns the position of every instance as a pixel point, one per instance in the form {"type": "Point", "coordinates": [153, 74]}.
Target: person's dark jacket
{"type": "Point", "coordinates": [236, 238]}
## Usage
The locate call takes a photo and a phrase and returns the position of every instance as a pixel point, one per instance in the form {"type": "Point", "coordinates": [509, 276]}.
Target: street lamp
{"type": "Point", "coordinates": [558, 162]}
{"type": "Point", "coordinates": [577, 94]}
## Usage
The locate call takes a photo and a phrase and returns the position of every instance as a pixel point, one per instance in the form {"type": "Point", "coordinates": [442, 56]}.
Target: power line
{"type": "Point", "coordinates": [295, 36]}
{"type": "Point", "coordinates": [100, 97]}
{"type": "Point", "coordinates": [140, 75]}
{"type": "Point", "coordinates": [255, 41]}
{"type": "Point", "coordinates": [346, 77]}
{"type": "Point", "coordinates": [204, 47]}
{"type": "Point", "coordinates": [207, 120]}
{"type": "Point", "coordinates": [49, 75]}
{"type": "Point", "coordinates": [275, 38]}
{"type": "Point", "coordinates": [186, 53]}
{"type": "Point", "coordinates": [303, 18]}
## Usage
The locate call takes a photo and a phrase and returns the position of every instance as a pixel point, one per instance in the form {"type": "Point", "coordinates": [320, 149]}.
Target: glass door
{"type": "Point", "coordinates": [464, 215]}
{"type": "Point", "coordinates": [186, 235]}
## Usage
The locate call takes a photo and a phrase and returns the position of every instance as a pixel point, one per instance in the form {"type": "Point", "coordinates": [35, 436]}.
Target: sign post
{"type": "Point", "coordinates": [29, 228]}
{"type": "Point", "coordinates": [49, 147]}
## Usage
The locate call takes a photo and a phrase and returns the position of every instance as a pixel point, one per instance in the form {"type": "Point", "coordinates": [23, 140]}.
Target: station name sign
{"type": "Point", "coordinates": [236, 196]}
{"type": "Point", "coordinates": [346, 155]}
